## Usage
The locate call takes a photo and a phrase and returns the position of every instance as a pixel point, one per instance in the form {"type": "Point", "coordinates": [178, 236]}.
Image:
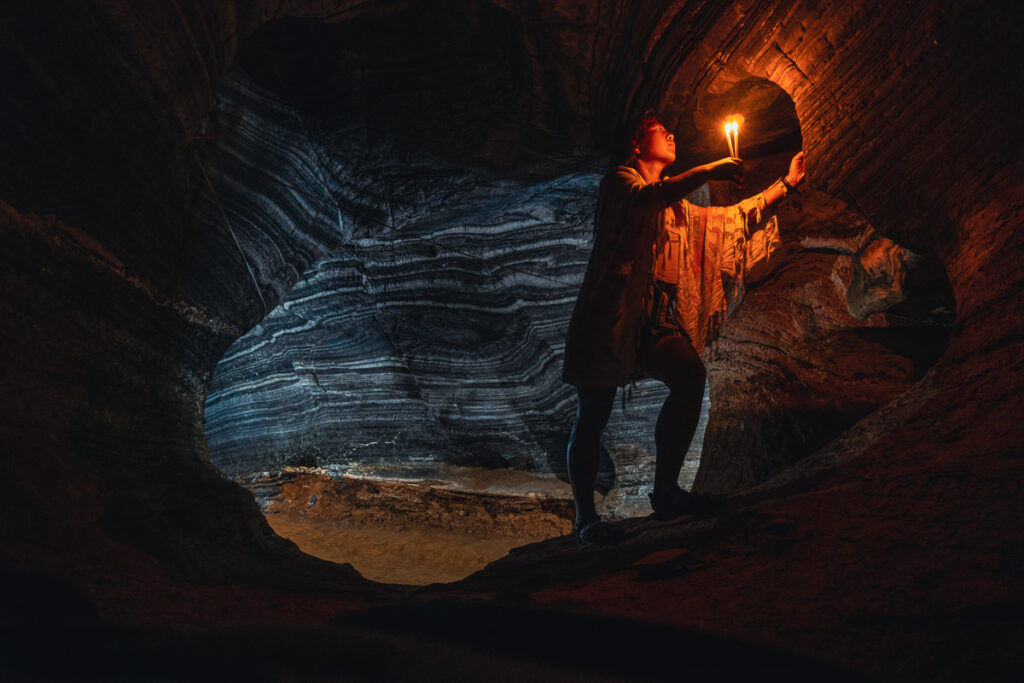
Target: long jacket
{"type": "Point", "coordinates": [719, 248]}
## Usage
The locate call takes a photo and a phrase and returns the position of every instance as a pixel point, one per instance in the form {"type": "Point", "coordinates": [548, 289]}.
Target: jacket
{"type": "Point", "coordinates": [604, 332]}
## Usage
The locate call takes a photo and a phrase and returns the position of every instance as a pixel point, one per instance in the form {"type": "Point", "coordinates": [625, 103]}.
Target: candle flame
{"type": "Point", "coordinates": [732, 134]}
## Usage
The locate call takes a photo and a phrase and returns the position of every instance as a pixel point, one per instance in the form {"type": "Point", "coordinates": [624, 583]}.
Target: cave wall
{"type": "Point", "coordinates": [112, 322]}
{"type": "Point", "coordinates": [429, 338]}
{"type": "Point", "coordinates": [431, 331]}
{"type": "Point", "coordinates": [436, 338]}
{"type": "Point", "coordinates": [109, 340]}
{"type": "Point", "coordinates": [876, 148]}
{"type": "Point", "coordinates": [794, 367]}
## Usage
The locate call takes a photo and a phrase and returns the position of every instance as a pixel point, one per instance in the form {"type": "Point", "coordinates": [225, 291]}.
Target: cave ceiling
{"type": "Point", "coordinates": [462, 81]}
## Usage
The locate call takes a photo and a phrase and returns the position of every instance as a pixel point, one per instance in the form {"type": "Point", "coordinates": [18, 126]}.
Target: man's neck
{"type": "Point", "coordinates": [650, 170]}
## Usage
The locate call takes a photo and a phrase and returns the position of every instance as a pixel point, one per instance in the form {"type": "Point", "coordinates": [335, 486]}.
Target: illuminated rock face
{"type": "Point", "coordinates": [433, 335]}
{"type": "Point", "coordinates": [793, 368]}
{"type": "Point", "coordinates": [118, 306]}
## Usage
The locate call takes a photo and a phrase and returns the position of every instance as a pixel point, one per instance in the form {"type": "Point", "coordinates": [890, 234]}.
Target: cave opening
{"type": "Point", "coordinates": [403, 397]}
{"type": "Point", "coordinates": [120, 536]}
{"type": "Point", "coordinates": [406, 389]}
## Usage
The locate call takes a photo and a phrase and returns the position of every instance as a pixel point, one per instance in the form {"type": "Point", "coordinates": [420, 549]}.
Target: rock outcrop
{"type": "Point", "coordinates": [793, 368]}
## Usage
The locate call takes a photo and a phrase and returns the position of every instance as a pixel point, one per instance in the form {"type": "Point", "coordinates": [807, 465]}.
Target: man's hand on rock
{"type": "Point", "coordinates": [796, 170]}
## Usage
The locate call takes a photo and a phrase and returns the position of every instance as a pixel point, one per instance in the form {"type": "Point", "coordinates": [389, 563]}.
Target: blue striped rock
{"type": "Point", "coordinates": [431, 330]}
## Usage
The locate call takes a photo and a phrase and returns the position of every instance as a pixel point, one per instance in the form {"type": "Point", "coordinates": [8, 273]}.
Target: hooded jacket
{"type": "Point", "coordinates": [604, 332]}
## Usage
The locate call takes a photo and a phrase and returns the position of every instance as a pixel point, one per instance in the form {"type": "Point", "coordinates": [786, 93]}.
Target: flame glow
{"type": "Point", "coordinates": [732, 137]}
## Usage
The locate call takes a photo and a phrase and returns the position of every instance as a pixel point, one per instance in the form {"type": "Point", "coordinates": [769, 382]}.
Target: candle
{"type": "Point", "coordinates": [732, 136]}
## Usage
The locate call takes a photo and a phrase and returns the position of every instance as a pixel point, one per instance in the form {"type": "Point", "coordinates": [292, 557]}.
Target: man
{"type": "Point", "coordinates": [654, 294]}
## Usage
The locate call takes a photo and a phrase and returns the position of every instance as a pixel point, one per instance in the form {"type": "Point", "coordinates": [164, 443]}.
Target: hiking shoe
{"type": "Point", "coordinates": [680, 503]}
{"type": "Point", "coordinates": [599, 532]}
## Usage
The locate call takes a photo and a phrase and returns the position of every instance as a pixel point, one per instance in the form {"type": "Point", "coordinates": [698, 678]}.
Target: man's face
{"type": "Point", "coordinates": [657, 144]}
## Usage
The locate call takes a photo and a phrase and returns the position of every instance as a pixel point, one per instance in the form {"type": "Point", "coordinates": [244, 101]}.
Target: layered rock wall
{"type": "Point", "coordinates": [432, 331]}
{"type": "Point", "coordinates": [794, 368]}
{"type": "Point", "coordinates": [117, 308]}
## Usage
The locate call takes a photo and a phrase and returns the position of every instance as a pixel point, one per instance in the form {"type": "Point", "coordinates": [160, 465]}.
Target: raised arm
{"type": "Point", "coordinates": [676, 187]}
{"type": "Point", "coordinates": [743, 245]}
{"type": "Point", "coordinates": [787, 183]}
{"type": "Point", "coordinates": [661, 194]}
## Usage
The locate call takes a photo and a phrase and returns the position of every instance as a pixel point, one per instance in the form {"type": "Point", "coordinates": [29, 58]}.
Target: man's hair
{"type": "Point", "coordinates": [630, 132]}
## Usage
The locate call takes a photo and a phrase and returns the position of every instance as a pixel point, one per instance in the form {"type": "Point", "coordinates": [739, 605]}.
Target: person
{"type": "Point", "coordinates": [661, 275]}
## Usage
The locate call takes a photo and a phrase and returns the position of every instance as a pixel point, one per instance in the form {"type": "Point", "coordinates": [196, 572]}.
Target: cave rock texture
{"type": "Point", "coordinates": [239, 236]}
{"type": "Point", "coordinates": [432, 335]}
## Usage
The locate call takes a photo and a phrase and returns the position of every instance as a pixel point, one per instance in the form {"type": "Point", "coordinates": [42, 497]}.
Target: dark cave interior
{"type": "Point", "coordinates": [347, 237]}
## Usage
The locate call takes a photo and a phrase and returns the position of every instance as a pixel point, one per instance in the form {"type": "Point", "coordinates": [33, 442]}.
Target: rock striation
{"type": "Point", "coordinates": [793, 368]}
{"type": "Point", "coordinates": [431, 334]}
{"type": "Point", "coordinates": [117, 306]}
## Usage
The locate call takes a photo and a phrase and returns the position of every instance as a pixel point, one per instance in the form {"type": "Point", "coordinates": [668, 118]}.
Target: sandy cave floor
{"type": "Point", "coordinates": [410, 555]}
{"type": "Point", "coordinates": [414, 533]}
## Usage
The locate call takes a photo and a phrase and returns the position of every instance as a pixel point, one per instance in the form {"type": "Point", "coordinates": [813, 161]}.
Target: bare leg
{"type": "Point", "coordinates": [595, 405]}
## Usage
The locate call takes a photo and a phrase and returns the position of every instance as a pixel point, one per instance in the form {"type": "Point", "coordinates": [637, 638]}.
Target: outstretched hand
{"type": "Point", "coordinates": [729, 168]}
{"type": "Point", "coordinates": [797, 170]}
